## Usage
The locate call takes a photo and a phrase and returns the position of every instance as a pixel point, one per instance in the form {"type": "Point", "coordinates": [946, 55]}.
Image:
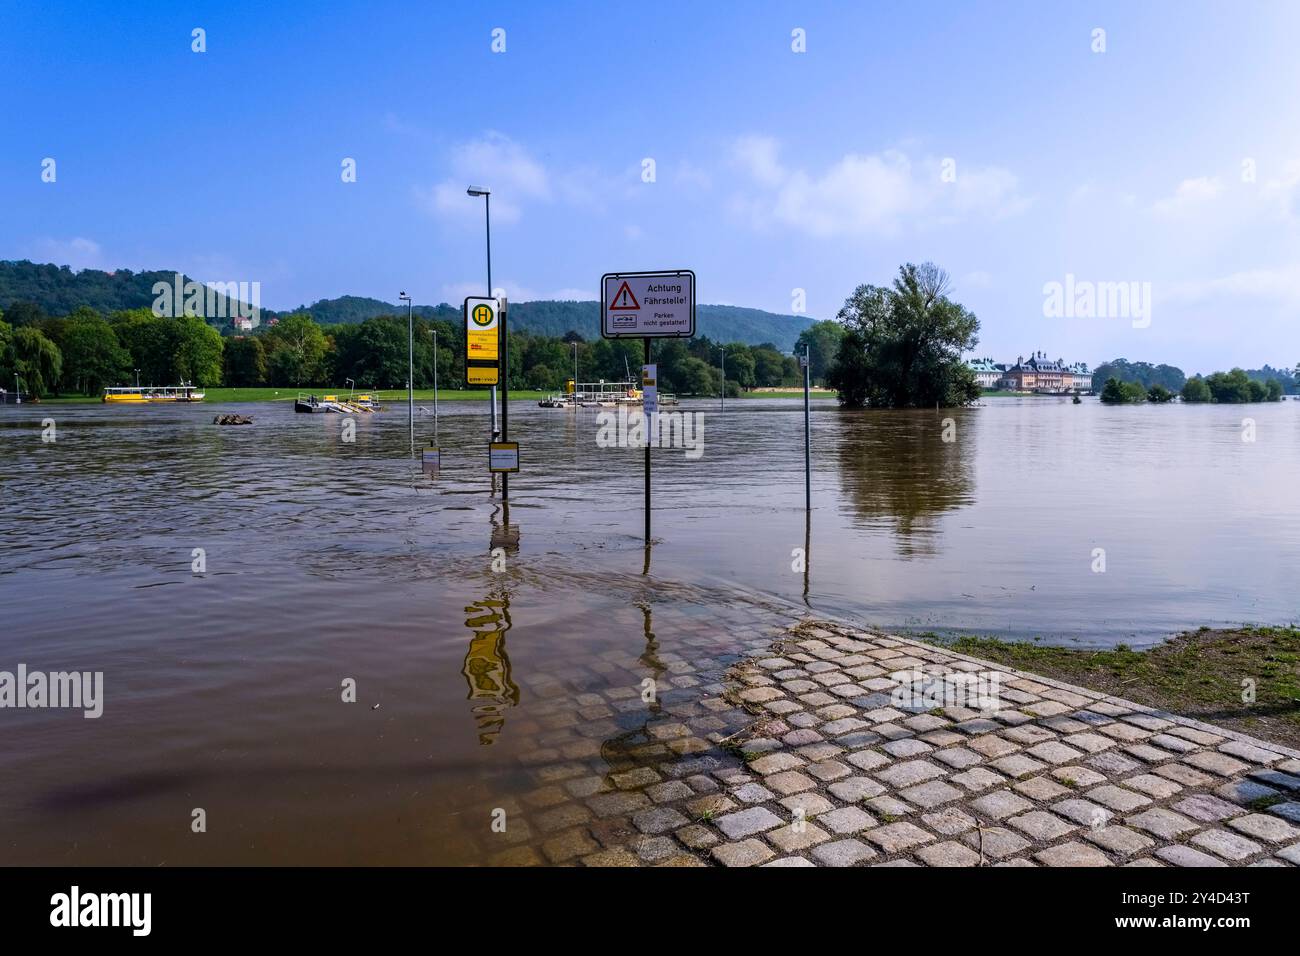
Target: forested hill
{"type": "Point", "coordinates": [724, 323]}
{"type": "Point", "coordinates": [57, 290]}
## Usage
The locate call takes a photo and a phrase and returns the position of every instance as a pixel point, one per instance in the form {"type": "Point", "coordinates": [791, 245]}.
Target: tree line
{"type": "Point", "coordinates": [1173, 378]}
{"type": "Point", "coordinates": [1234, 387]}
{"type": "Point", "coordinates": [84, 351]}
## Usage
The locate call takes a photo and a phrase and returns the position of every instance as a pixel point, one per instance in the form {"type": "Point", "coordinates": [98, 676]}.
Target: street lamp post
{"type": "Point", "coordinates": [410, 370]}
{"type": "Point", "coordinates": [723, 348]}
{"type": "Point", "coordinates": [435, 385]}
{"type": "Point", "coordinates": [575, 368]}
{"type": "Point", "coordinates": [487, 221]}
{"type": "Point", "coordinates": [137, 378]}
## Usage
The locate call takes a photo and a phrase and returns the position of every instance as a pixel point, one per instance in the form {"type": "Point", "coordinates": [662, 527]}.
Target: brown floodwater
{"type": "Point", "coordinates": [478, 688]}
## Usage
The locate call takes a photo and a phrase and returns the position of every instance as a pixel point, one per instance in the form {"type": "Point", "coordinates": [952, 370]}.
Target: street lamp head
{"type": "Point", "coordinates": [478, 191]}
{"type": "Point", "coordinates": [404, 297]}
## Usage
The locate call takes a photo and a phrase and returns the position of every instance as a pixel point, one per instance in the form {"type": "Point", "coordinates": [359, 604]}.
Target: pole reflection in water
{"type": "Point", "coordinates": [637, 746]}
{"type": "Point", "coordinates": [807, 553]}
{"type": "Point", "coordinates": [487, 667]}
{"type": "Point", "coordinates": [650, 659]}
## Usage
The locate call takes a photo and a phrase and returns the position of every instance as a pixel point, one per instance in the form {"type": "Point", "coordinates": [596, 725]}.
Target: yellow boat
{"type": "Point", "coordinates": [135, 395]}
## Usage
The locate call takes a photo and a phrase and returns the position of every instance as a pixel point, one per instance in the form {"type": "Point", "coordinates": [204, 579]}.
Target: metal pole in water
{"type": "Point", "coordinates": [410, 373]}
{"type": "Point", "coordinates": [647, 463]}
{"type": "Point", "coordinates": [807, 434]}
{"type": "Point", "coordinates": [487, 218]}
{"type": "Point", "coordinates": [505, 395]}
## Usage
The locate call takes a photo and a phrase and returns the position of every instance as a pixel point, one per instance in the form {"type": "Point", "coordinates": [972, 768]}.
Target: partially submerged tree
{"type": "Point", "coordinates": [902, 345]}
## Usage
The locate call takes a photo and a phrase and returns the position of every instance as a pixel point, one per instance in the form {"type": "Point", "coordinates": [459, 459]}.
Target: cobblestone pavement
{"type": "Point", "coordinates": [805, 751]}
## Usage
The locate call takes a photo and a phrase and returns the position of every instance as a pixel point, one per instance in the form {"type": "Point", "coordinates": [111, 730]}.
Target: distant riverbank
{"type": "Point", "coordinates": [222, 394]}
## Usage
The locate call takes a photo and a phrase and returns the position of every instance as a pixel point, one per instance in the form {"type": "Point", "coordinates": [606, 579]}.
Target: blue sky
{"type": "Point", "coordinates": [1172, 158]}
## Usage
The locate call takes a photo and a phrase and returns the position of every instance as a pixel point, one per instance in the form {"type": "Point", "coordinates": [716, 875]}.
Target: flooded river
{"type": "Point", "coordinates": [323, 562]}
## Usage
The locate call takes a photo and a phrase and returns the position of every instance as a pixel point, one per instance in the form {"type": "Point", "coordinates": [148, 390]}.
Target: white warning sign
{"type": "Point", "coordinates": [643, 305]}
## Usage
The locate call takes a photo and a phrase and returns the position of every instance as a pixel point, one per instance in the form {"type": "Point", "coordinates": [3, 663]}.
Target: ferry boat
{"type": "Point", "coordinates": [603, 395]}
{"type": "Point", "coordinates": [137, 395]}
{"type": "Point", "coordinates": [312, 405]}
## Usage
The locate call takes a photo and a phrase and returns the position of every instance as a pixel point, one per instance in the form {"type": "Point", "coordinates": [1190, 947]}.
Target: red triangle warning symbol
{"type": "Point", "coordinates": [624, 300]}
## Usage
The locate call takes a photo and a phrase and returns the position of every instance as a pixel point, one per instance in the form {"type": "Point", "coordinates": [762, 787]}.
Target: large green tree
{"type": "Point", "coordinates": [1195, 390]}
{"type": "Point", "coordinates": [902, 345]}
{"type": "Point", "coordinates": [297, 348]}
{"type": "Point", "coordinates": [823, 341]}
{"type": "Point", "coordinates": [148, 340]}
{"type": "Point", "coordinates": [196, 350]}
{"type": "Point", "coordinates": [92, 356]}
{"type": "Point", "coordinates": [244, 360]}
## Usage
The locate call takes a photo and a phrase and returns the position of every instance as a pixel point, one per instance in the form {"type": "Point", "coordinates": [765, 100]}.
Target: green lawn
{"type": "Point", "coordinates": [791, 393]}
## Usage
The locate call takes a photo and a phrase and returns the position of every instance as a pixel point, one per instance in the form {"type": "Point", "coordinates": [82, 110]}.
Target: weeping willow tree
{"type": "Point", "coordinates": [27, 353]}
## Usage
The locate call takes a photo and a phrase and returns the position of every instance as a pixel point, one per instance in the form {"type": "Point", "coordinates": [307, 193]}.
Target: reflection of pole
{"type": "Point", "coordinates": [807, 552]}
{"type": "Point", "coordinates": [650, 657]}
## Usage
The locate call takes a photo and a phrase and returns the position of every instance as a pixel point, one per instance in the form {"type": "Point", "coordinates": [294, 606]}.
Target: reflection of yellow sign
{"type": "Point", "coordinates": [487, 668]}
{"type": "Point", "coordinates": [475, 375]}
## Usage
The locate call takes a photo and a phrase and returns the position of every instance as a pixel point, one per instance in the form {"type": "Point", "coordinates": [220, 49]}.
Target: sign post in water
{"type": "Point", "coordinates": [648, 305]}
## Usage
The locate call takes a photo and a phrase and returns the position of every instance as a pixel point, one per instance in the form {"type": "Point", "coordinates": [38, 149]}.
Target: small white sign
{"type": "Point", "coordinates": [650, 388]}
{"type": "Point", "coordinates": [503, 456]}
{"type": "Point", "coordinates": [642, 305]}
{"type": "Point", "coordinates": [430, 460]}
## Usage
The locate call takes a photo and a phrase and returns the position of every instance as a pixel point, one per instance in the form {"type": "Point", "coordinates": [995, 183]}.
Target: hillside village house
{"type": "Point", "coordinates": [1038, 373]}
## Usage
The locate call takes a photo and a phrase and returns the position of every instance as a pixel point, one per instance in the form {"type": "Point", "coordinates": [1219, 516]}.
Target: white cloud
{"type": "Point", "coordinates": [876, 193]}
{"type": "Point", "coordinates": [496, 162]}
{"type": "Point", "coordinates": [1281, 285]}
{"type": "Point", "coordinates": [1283, 192]}
{"type": "Point", "coordinates": [456, 292]}
{"type": "Point", "coordinates": [77, 254]}
{"type": "Point", "coordinates": [517, 179]}
{"type": "Point", "coordinates": [1191, 194]}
